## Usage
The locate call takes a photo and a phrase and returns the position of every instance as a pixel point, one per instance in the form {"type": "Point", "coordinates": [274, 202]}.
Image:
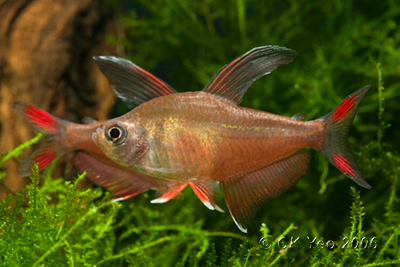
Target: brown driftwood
{"type": "Point", "coordinates": [46, 50]}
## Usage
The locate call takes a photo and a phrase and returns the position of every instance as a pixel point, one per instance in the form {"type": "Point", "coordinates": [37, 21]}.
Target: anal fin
{"type": "Point", "coordinates": [246, 196]}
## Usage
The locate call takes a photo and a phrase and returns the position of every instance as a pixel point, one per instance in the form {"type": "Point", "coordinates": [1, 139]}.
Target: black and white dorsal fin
{"type": "Point", "coordinates": [130, 82]}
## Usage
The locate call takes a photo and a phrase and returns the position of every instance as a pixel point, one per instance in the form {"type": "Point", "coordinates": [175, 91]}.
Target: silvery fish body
{"type": "Point", "coordinates": [206, 140]}
{"type": "Point", "coordinates": [197, 135]}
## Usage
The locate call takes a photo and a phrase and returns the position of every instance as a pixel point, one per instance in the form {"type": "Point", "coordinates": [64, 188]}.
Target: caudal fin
{"type": "Point", "coordinates": [337, 149]}
{"type": "Point", "coordinates": [51, 128]}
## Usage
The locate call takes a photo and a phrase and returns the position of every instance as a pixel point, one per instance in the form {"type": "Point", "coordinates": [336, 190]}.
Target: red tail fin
{"type": "Point", "coordinates": [337, 149]}
{"type": "Point", "coordinates": [51, 128]}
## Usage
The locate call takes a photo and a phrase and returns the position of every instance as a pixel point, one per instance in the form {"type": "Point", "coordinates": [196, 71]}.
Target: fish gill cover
{"type": "Point", "coordinates": [322, 221]}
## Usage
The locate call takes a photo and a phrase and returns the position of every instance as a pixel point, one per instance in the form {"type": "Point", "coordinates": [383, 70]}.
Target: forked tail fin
{"type": "Point", "coordinates": [337, 149]}
{"type": "Point", "coordinates": [50, 126]}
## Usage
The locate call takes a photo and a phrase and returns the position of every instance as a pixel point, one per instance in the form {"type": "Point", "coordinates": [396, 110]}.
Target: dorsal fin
{"type": "Point", "coordinates": [130, 82]}
{"type": "Point", "coordinates": [233, 80]}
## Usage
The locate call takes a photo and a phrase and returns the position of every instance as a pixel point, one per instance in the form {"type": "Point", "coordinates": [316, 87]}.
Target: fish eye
{"type": "Point", "coordinates": [115, 133]}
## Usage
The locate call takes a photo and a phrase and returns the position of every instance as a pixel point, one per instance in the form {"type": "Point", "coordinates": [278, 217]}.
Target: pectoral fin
{"type": "Point", "coordinates": [246, 196]}
{"type": "Point", "coordinates": [123, 183]}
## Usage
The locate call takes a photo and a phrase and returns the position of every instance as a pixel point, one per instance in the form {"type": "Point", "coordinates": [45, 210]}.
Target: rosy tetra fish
{"type": "Point", "coordinates": [63, 137]}
{"type": "Point", "coordinates": [206, 140]}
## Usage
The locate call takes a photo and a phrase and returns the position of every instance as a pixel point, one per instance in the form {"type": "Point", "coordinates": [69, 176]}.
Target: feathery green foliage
{"type": "Point", "coordinates": [342, 45]}
{"type": "Point", "coordinates": [17, 151]}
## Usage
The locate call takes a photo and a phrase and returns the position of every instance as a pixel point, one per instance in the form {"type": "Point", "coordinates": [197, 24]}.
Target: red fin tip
{"type": "Point", "coordinates": [343, 165]}
{"type": "Point", "coordinates": [44, 158]}
{"type": "Point", "coordinates": [337, 149]}
{"type": "Point", "coordinates": [341, 111]}
{"type": "Point", "coordinates": [169, 195]}
{"type": "Point", "coordinates": [40, 119]}
{"type": "Point", "coordinates": [202, 196]}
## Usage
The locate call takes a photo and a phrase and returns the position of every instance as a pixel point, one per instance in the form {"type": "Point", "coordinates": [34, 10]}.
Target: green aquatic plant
{"type": "Point", "coordinates": [17, 151]}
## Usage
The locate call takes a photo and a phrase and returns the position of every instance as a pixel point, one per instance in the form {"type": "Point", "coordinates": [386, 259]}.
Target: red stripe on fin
{"type": "Point", "coordinates": [171, 193]}
{"type": "Point", "coordinates": [209, 192]}
{"type": "Point", "coordinates": [343, 165]}
{"type": "Point", "coordinates": [233, 80]}
{"type": "Point", "coordinates": [341, 111]}
{"type": "Point", "coordinates": [123, 183]}
{"type": "Point", "coordinates": [160, 87]}
{"type": "Point", "coordinates": [124, 197]}
{"type": "Point", "coordinates": [45, 154]}
{"type": "Point", "coordinates": [246, 196]}
{"type": "Point", "coordinates": [130, 82]}
{"type": "Point", "coordinates": [44, 157]}
{"type": "Point", "coordinates": [337, 149]}
{"type": "Point", "coordinates": [39, 119]}
{"type": "Point", "coordinates": [50, 126]}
